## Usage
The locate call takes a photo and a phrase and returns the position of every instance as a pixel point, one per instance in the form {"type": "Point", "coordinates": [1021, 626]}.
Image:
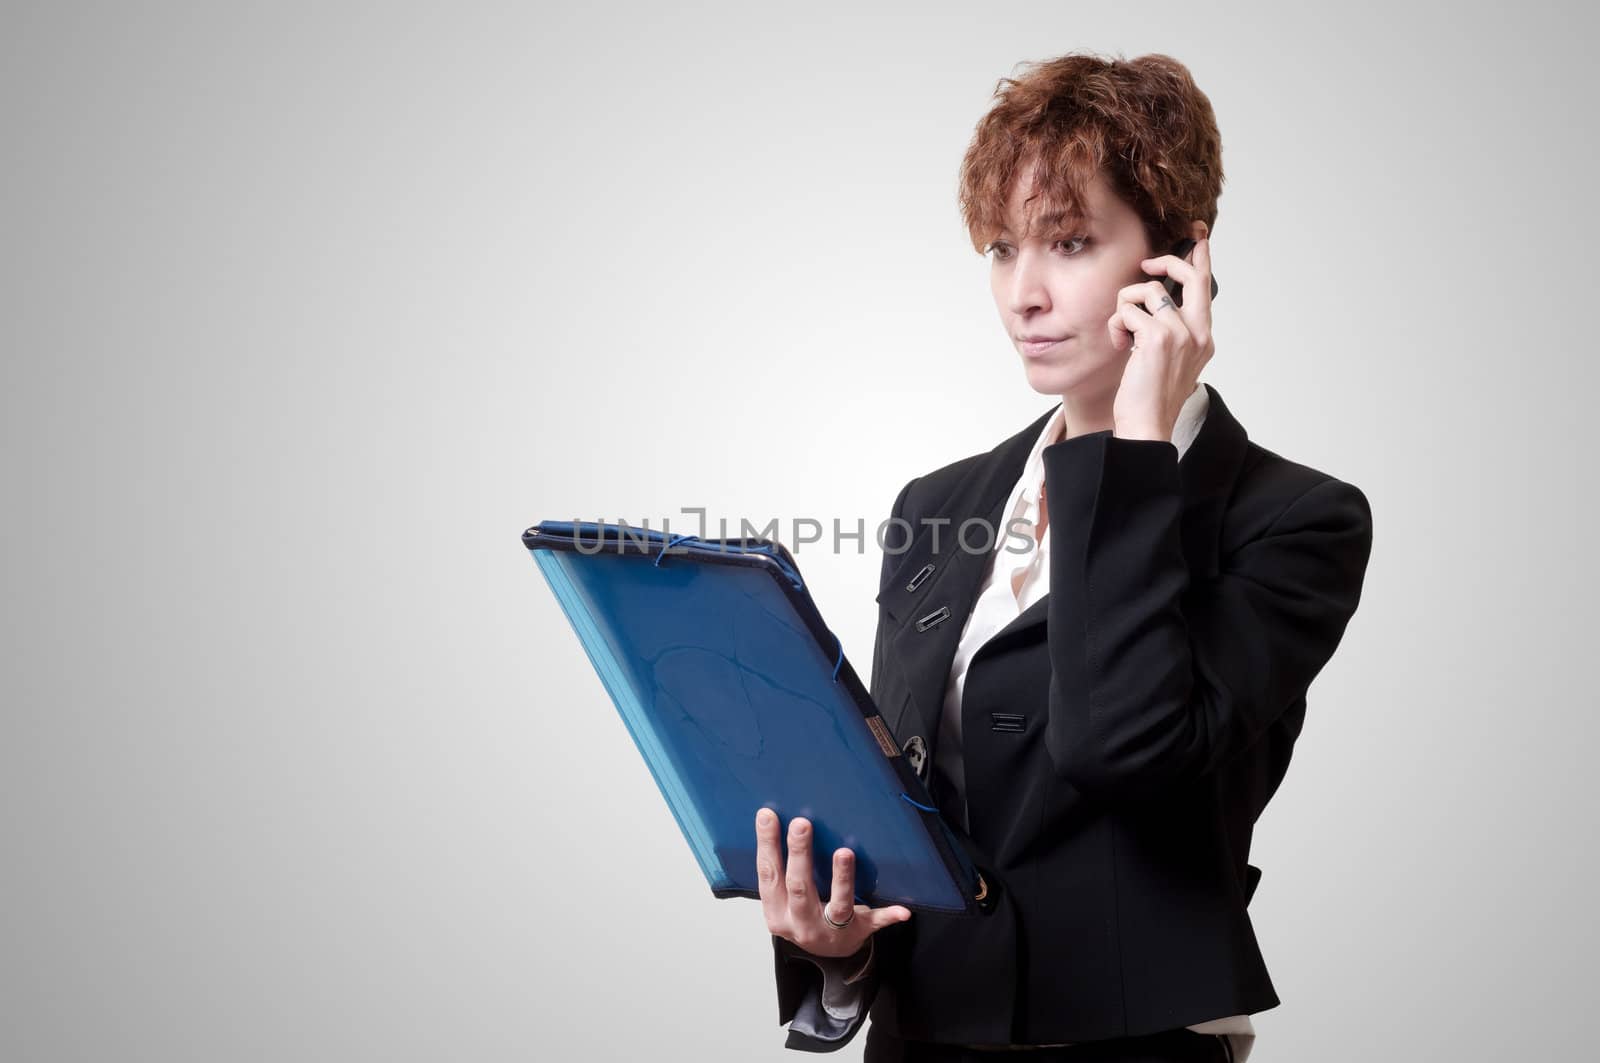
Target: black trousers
{"type": "Point", "coordinates": [1169, 1046]}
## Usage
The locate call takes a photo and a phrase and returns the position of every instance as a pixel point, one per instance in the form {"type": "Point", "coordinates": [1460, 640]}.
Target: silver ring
{"type": "Point", "coordinates": [838, 926]}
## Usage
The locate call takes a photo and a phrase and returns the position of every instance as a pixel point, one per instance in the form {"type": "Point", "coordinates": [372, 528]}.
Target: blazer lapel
{"type": "Point", "coordinates": [936, 583]}
{"type": "Point", "coordinates": [932, 610]}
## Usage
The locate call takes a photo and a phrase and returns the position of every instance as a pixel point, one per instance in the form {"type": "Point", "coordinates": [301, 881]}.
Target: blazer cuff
{"type": "Point", "coordinates": [824, 1011]}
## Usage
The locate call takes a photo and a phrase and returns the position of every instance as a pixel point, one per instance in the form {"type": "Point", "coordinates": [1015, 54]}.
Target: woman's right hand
{"type": "Point", "coordinates": [792, 907]}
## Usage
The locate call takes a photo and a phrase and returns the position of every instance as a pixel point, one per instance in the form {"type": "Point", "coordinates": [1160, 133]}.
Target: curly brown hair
{"type": "Point", "coordinates": [1142, 121]}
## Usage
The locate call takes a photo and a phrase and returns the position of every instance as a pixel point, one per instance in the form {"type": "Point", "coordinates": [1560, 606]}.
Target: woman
{"type": "Point", "coordinates": [1103, 700]}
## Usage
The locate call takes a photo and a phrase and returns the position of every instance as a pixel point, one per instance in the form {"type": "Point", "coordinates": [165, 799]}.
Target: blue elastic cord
{"type": "Point", "coordinates": [840, 661]}
{"type": "Point", "coordinates": [670, 544]}
{"type": "Point", "coordinates": [919, 804]}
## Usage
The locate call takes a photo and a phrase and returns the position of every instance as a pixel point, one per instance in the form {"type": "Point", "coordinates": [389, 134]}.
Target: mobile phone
{"type": "Point", "coordinates": [1174, 286]}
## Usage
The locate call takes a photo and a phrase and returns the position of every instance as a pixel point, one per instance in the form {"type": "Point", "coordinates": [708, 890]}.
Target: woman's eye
{"type": "Point", "coordinates": [1001, 252]}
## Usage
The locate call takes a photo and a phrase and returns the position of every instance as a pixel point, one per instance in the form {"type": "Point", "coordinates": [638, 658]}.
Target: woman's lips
{"type": "Point", "coordinates": [1033, 348]}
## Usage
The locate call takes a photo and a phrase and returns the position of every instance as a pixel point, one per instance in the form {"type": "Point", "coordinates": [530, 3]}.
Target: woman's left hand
{"type": "Point", "coordinates": [1171, 344]}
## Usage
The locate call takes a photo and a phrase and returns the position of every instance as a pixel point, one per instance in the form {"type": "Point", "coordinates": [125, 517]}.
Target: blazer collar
{"type": "Point", "coordinates": [1206, 472]}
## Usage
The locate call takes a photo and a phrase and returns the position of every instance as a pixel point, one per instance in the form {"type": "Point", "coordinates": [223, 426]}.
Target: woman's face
{"type": "Point", "coordinates": [1061, 284]}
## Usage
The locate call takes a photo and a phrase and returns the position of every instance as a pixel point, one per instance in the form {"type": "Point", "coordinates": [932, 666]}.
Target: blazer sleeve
{"type": "Point", "coordinates": [823, 1008]}
{"type": "Point", "coordinates": [1154, 682]}
{"type": "Point", "coordinates": [824, 1000]}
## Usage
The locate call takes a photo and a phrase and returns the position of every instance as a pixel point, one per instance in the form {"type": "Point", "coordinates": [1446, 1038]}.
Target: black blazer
{"type": "Point", "coordinates": [1121, 736]}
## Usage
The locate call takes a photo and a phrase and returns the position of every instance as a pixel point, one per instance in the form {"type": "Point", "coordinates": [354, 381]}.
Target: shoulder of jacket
{"type": "Point", "coordinates": [922, 494]}
{"type": "Point", "coordinates": [1269, 483]}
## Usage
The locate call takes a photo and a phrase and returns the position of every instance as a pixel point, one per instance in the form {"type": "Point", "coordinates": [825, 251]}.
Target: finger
{"type": "Point", "coordinates": [769, 870]}
{"type": "Point", "coordinates": [1201, 299]}
{"type": "Point", "coordinates": [878, 918]}
{"type": "Point", "coordinates": [804, 907]}
{"type": "Point", "coordinates": [1129, 325]}
{"type": "Point", "coordinates": [1201, 257]}
{"type": "Point", "coordinates": [842, 897]}
{"type": "Point", "coordinates": [1152, 327]}
{"type": "Point", "coordinates": [1195, 278]}
{"type": "Point", "coordinates": [1179, 270]}
{"type": "Point", "coordinates": [1167, 314]}
{"type": "Point", "coordinates": [1148, 294]}
{"type": "Point", "coordinates": [1170, 265]}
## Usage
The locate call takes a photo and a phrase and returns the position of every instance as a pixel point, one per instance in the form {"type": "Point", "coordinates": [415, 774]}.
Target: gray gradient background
{"type": "Point", "coordinates": [307, 314]}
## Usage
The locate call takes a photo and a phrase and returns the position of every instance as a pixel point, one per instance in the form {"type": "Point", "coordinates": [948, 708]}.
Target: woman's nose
{"type": "Point", "coordinates": [1028, 292]}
